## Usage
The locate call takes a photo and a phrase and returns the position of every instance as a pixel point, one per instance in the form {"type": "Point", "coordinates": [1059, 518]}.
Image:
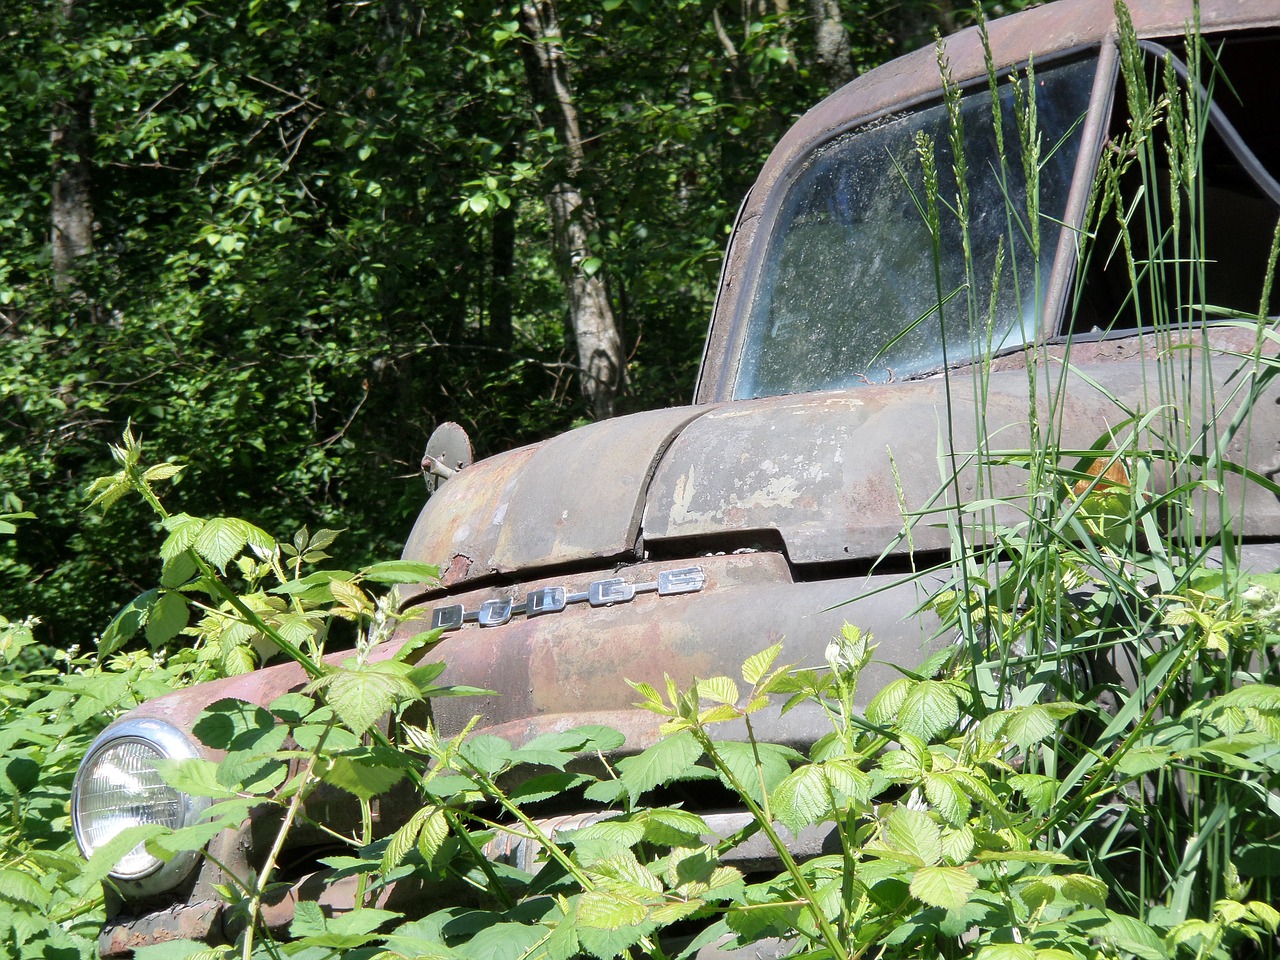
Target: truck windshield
{"type": "Point", "coordinates": [850, 288]}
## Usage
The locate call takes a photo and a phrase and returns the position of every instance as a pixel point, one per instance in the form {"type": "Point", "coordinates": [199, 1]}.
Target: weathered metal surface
{"type": "Point", "coordinates": [551, 673]}
{"type": "Point", "coordinates": [820, 468]}
{"type": "Point", "coordinates": [200, 920]}
{"type": "Point", "coordinates": [816, 468]}
{"type": "Point", "coordinates": [573, 499]}
{"type": "Point", "coordinates": [914, 79]}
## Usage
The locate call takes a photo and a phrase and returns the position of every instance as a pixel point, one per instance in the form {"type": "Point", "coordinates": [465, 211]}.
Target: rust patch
{"type": "Point", "coordinates": [457, 570]}
{"type": "Point", "coordinates": [1112, 477]}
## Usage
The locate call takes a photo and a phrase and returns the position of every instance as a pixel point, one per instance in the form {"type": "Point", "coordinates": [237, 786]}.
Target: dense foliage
{"type": "Point", "coordinates": [1007, 799]}
{"type": "Point", "coordinates": [289, 239]}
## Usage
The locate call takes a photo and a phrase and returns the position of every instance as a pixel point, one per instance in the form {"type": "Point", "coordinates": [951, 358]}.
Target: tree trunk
{"type": "Point", "coordinates": [833, 52]}
{"type": "Point", "coordinates": [71, 212]}
{"type": "Point", "coordinates": [595, 327]}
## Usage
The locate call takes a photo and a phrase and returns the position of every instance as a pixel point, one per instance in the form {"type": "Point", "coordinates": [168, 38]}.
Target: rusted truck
{"type": "Point", "coordinates": [681, 541]}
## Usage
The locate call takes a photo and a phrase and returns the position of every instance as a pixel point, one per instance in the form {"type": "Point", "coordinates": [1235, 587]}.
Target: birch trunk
{"type": "Point", "coordinates": [834, 54]}
{"type": "Point", "coordinates": [71, 207]}
{"type": "Point", "coordinates": [595, 327]}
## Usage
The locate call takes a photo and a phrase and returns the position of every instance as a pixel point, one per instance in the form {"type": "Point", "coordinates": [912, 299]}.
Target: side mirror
{"type": "Point", "coordinates": [448, 451]}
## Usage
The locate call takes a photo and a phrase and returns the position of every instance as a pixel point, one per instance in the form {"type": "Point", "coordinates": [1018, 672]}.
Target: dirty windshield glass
{"type": "Point", "coordinates": [850, 268]}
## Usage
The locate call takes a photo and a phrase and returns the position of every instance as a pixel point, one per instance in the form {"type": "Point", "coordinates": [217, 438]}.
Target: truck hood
{"type": "Point", "coordinates": [829, 475]}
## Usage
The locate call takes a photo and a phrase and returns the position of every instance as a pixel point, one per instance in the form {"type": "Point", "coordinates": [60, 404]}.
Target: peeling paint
{"type": "Point", "coordinates": [683, 497]}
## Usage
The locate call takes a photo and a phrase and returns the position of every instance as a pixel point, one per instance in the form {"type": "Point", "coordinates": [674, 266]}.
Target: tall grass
{"type": "Point", "coordinates": [1120, 580]}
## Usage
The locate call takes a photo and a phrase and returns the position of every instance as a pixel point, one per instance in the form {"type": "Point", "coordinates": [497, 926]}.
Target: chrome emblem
{"type": "Point", "coordinates": [537, 603]}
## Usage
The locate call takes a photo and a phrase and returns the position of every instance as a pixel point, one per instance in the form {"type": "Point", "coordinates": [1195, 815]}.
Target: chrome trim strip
{"type": "Point", "coordinates": [546, 600]}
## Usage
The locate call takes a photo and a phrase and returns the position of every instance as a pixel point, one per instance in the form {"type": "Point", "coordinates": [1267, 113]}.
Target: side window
{"type": "Point", "coordinates": [1189, 229]}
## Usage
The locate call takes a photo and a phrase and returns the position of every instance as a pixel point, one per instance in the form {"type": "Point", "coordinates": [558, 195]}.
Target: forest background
{"type": "Point", "coordinates": [287, 238]}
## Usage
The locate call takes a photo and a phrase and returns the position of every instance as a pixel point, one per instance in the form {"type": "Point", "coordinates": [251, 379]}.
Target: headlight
{"type": "Point", "coordinates": [118, 786]}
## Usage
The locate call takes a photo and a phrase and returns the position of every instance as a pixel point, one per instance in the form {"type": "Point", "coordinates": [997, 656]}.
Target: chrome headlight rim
{"type": "Point", "coordinates": [171, 744]}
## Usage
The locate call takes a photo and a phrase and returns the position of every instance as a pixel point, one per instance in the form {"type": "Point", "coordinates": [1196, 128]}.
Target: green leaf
{"type": "Point", "coordinates": [125, 625]}
{"type": "Point", "coordinates": [194, 837]}
{"type": "Point", "coordinates": [802, 798]}
{"type": "Point", "coordinates": [221, 539]}
{"type": "Point", "coordinates": [501, 941]}
{"type": "Point", "coordinates": [957, 844]}
{"type": "Point", "coordinates": [292, 708]}
{"type": "Point", "coordinates": [606, 792]}
{"type": "Point", "coordinates": [308, 737]}
{"type": "Point", "coordinates": [611, 909]}
{"type": "Point", "coordinates": [608, 838]}
{"type": "Point", "coordinates": [884, 706]}
{"type": "Point", "coordinates": [107, 855]}
{"type": "Point", "coordinates": [308, 919]}
{"type": "Point", "coordinates": [19, 887]}
{"type": "Point", "coordinates": [323, 538]}
{"type": "Point", "coordinates": [555, 749]}
{"type": "Point", "coordinates": [755, 667]}
{"type": "Point", "coordinates": [1006, 951]}
{"type": "Point", "coordinates": [183, 530]}
{"type": "Point", "coordinates": [929, 708]}
{"type": "Point", "coordinates": [1258, 696]}
{"type": "Point", "coordinates": [407, 942]}
{"type": "Point", "coordinates": [537, 789]}
{"type": "Point", "coordinates": [591, 738]}
{"type": "Point", "coordinates": [177, 571]}
{"type": "Point", "coordinates": [234, 725]}
{"type": "Point", "coordinates": [434, 833]}
{"type": "Point", "coordinates": [1039, 790]}
{"type": "Point", "coordinates": [1030, 725]}
{"type": "Point", "coordinates": [404, 839]}
{"type": "Point", "coordinates": [1038, 892]}
{"type": "Point", "coordinates": [162, 471]}
{"type": "Point", "coordinates": [362, 693]}
{"type": "Point", "coordinates": [168, 618]}
{"type": "Point", "coordinates": [415, 645]}
{"type": "Point", "coordinates": [174, 950]}
{"type": "Point", "coordinates": [946, 887]}
{"type": "Point", "coordinates": [670, 826]}
{"type": "Point", "coordinates": [1023, 856]}
{"type": "Point", "coordinates": [1267, 915]}
{"type": "Point", "coordinates": [1132, 936]}
{"type": "Point", "coordinates": [915, 833]}
{"type": "Point", "coordinates": [718, 690]}
{"type": "Point", "coordinates": [196, 776]}
{"type": "Point", "coordinates": [314, 586]}
{"type": "Point", "coordinates": [351, 596]}
{"type": "Point", "coordinates": [765, 912]}
{"type": "Point", "coordinates": [256, 770]}
{"type": "Point", "coordinates": [1144, 758]}
{"type": "Point", "coordinates": [358, 922]}
{"type": "Point", "coordinates": [624, 871]}
{"type": "Point", "coordinates": [364, 778]}
{"type": "Point", "coordinates": [758, 767]}
{"type": "Point", "coordinates": [947, 797]}
{"type": "Point", "coordinates": [666, 760]}
{"type": "Point", "coordinates": [489, 754]}
{"type": "Point", "coordinates": [401, 571]}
